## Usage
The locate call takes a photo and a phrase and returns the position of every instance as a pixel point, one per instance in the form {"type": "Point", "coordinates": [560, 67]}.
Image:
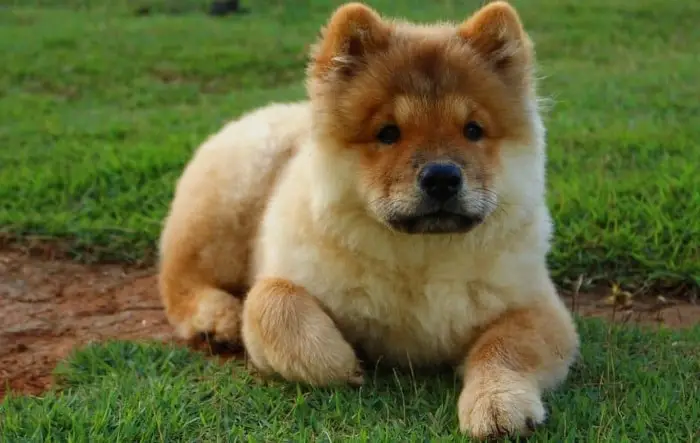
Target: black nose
{"type": "Point", "coordinates": [440, 181]}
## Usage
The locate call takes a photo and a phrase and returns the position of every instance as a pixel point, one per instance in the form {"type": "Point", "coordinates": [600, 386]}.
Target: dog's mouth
{"type": "Point", "coordinates": [438, 222]}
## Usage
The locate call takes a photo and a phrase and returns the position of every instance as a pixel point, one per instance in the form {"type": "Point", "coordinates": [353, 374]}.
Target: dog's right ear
{"type": "Point", "coordinates": [353, 31]}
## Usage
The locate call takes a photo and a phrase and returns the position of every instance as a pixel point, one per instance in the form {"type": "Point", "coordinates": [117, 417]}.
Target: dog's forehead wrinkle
{"type": "Point", "coordinates": [427, 75]}
{"type": "Point", "coordinates": [428, 63]}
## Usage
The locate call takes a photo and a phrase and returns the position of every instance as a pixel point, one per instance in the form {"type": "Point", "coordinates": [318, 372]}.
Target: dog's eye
{"type": "Point", "coordinates": [389, 134]}
{"type": "Point", "coordinates": [473, 132]}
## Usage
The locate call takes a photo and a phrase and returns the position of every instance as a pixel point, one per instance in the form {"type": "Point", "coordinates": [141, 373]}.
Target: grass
{"type": "Point", "coordinates": [629, 385]}
{"type": "Point", "coordinates": [100, 109]}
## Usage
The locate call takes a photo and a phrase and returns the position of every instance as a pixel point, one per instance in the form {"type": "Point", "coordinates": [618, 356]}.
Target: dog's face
{"type": "Point", "coordinates": [426, 110]}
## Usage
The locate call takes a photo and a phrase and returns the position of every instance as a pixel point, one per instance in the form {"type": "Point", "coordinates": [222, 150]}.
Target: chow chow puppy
{"type": "Point", "coordinates": [398, 214]}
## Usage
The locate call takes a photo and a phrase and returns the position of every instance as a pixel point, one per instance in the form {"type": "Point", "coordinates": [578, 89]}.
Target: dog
{"type": "Point", "coordinates": [397, 213]}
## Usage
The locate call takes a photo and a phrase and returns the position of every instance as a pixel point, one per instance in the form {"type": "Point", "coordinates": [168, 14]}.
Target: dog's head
{"type": "Point", "coordinates": [430, 113]}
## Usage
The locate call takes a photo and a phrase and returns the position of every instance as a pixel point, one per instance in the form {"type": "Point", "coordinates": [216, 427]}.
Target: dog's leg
{"type": "Point", "coordinates": [196, 308]}
{"type": "Point", "coordinates": [522, 353]}
{"type": "Point", "coordinates": [285, 331]}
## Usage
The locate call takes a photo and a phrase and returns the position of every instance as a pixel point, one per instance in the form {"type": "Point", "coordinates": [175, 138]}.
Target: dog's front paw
{"type": "Point", "coordinates": [319, 360]}
{"type": "Point", "coordinates": [491, 406]}
{"type": "Point", "coordinates": [286, 332]}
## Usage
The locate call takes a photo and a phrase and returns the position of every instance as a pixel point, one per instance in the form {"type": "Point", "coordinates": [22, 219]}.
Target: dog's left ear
{"type": "Point", "coordinates": [353, 32]}
{"type": "Point", "coordinates": [496, 34]}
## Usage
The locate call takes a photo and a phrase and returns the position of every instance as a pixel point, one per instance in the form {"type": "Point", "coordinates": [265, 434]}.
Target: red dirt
{"type": "Point", "coordinates": [51, 306]}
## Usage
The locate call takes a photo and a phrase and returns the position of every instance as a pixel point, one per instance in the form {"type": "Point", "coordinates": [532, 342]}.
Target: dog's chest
{"type": "Point", "coordinates": [419, 318]}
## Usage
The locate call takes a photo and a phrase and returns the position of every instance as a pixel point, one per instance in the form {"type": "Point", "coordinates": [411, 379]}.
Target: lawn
{"type": "Point", "coordinates": [100, 109]}
{"type": "Point", "coordinates": [629, 386]}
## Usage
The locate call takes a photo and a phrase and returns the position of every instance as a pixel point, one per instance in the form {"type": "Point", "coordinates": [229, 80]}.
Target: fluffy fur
{"type": "Point", "coordinates": [334, 228]}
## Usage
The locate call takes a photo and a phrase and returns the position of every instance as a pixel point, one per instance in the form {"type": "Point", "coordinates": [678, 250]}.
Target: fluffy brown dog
{"type": "Point", "coordinates": [400, 211]}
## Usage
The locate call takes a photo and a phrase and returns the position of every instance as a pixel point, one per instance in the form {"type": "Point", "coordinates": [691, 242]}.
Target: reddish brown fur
{"type": "Point", "coordinates": [293, 324]}
{"type": "Point", "coordinates": [515, 356]}
{"type": "Point", "coordinates": [354, 28]}
{"type": "Point", "coordinates": [495, 346]}
{"type": "Point", "coordinates": [428, 81]}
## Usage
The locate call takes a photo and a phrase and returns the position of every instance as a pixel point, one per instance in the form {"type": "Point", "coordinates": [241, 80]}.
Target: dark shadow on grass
{"type": "Point", "coordinates": [216, 8]}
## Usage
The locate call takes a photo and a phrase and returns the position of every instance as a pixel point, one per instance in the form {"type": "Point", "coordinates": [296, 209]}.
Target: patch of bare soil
{"type": "Point", "coordinates": [48, 307]}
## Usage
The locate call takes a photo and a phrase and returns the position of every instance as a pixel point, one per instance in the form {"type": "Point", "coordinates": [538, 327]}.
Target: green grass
{"type": "Point", "coordinates": [629, 386]}
{"type": "Point", "coordinates": [100, 110]}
